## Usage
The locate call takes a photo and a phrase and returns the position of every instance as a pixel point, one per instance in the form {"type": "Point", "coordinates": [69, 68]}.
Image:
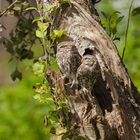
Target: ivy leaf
{"type": "Point", "coordinates": [136, 11]}
{"type": "Point", "coordinates": [16, 75]}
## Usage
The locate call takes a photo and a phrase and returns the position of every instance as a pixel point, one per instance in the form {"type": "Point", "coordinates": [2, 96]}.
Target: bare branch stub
{"type": "Point", "coordinates": [10, 6]}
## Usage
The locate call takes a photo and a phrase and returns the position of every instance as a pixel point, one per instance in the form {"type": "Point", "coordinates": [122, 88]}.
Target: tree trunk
{"type": "Point", "coordinates": [104, 103]}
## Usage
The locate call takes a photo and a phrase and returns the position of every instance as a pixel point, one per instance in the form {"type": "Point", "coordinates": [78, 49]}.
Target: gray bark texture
{"type": "Point", "coordinates": [103, 102]}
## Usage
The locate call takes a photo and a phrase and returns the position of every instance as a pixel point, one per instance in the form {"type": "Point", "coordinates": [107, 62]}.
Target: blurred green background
{"type": "Point", "coordinates": [21, 117]}
{"type": "Point", "coordinates": [132, 53]}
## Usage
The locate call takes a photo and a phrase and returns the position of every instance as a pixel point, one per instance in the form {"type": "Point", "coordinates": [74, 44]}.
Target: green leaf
{"type": "Point", "coordinates": [16, 75]}
{"type": "Point", "coordinates": [46, 25]}
{"type": "Point", "coordinates": [37, 97]}
{"type": "Point", "coordinates": [25, 3]}
{"type": "Point", "coordinates": [30, 9]}
{"type": "Point", "coordinates": [38, 68]}
{"type": "Point", "coordinates": [57, 34]}
{"type": "Point", "coordinates": [16, 8]}
{"type": "Point", "coordinates": [119, 19]}
{"type": "Point", "coordinates": [39, 34]}
{"type": "Point", "coordinates": [105, 15]}
{"type": "Point", "coordinates": [39, 6]}
{"type": "Point", "coordinates": [49, 99]}
{"type": "Point", "coordinates": [37, 19]}
{"type": "Point", "coordinates": [42, 89]}
{"type": "Point", "coordinates": [50, 7]}
{"type": "Point", "coordinates": [136, 11]}
{"type": "Point", "coordinates": [115, 13]}
{"type": "Point", "coordinates": [42, 26]}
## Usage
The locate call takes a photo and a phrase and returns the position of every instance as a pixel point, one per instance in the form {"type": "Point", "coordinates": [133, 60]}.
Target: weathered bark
{"type": "Point", "coordinates": [103, 101]}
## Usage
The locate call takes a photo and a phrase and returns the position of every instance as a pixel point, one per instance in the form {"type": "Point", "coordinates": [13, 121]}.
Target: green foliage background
{"type": "Point", "coordinates": [21, 117]}
{"type": "Point", "coordinates": [132, 53]}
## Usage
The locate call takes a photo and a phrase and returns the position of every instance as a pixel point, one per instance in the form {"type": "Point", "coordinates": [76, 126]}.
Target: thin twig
{"type": "Point", "coordinates": [127, 27]}
{"type": "Point", "coordinates": [1, 14]}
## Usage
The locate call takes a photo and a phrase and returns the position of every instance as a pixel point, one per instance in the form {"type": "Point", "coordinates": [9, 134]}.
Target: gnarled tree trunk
{"type": "Point", "coordinates": [103, 101]}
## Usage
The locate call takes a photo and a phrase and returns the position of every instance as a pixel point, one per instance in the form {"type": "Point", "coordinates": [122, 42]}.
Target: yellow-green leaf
{"type": "Point", "coordinates": [16, 8]}
{"type": "Point", "coordinates": [59, 33]}
{"type": "Point", "coordinates": [39, 6]}
{"type": "Point", "coordinates": [42, 26]}
{"type": "Point", "coordinates": [37, 19]}
{"type": "Point", "coordinates": [30, 9]}
{"type": "Point", "coordinates": [39, 34]}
